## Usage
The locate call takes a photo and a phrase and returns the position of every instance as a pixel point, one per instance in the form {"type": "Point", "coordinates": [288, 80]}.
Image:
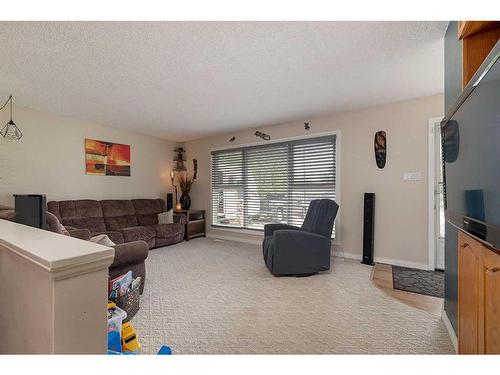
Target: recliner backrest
{"type": "Point", "coordinates": [320, 217]}
{"type": "Point", "coordinates": [82, 213]}
{"type": "Point", "coordinates": [147, 210]}
{"type": "Point", "coordinates": [118, 214]}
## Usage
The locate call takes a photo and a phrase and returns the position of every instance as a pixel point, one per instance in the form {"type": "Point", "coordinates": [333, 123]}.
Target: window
{"type": "Point", "coordinates": [271, 183]}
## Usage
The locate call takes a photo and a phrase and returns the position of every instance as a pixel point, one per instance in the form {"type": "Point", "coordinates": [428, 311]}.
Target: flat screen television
{"type": "Point", "coordinates": [470, 135]}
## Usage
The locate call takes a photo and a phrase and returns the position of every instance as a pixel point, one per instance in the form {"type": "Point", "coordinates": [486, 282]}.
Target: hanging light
{"type": "Point", "coordinates": [10, 131]}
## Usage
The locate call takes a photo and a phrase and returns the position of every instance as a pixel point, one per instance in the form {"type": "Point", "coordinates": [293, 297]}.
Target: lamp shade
{"type": "Point", "coordinates": [11, 131]}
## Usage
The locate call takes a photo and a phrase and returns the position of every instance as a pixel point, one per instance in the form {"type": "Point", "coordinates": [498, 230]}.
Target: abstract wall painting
{"type": "Point", "coordinates": [106, 158]}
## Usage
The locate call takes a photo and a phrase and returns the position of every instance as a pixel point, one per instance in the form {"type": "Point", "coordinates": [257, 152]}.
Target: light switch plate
{"type": "Point", "coordinates": [412, 176]}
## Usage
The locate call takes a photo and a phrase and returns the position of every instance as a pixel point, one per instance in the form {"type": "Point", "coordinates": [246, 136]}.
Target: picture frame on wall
{"type": "Point", "coordinates": [106, 158]}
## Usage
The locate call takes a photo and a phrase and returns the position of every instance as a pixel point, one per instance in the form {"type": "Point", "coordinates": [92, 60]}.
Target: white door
{"type": "Point", "coordinates": [438, 200]}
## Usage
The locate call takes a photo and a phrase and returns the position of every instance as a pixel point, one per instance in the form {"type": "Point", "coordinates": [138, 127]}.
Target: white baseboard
{"type": "Point", "coordinates": [394, 262]}
{"type": "Point", "coordinates": [341, 254]}
{"type": "Point", "coordinates": [236, 239]}
{"type": "Point", "coordinates": [335, 253]}
{"type": "Point", "coordinates": [451, 331]}
{"type": "Point", "coordinates": [402, 263]}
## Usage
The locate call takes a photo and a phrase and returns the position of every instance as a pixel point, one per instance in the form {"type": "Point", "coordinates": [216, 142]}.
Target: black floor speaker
{"type": "Point", "coordinates": [30, 210]}
{"type": "Point", "coordinates": [169, 201]}
{"type": "Point", "coordinates": [368, 228]}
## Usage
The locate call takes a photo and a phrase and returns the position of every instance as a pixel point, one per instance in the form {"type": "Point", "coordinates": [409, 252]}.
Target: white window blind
{"type": "Point", "coordinates": [271, 183]}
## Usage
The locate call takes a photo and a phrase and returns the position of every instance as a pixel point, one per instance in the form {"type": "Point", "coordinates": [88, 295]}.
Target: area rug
{"type": "Point", "coordinates": [211, 297]}
{"type": "Point", "coordinates": [430, 283]}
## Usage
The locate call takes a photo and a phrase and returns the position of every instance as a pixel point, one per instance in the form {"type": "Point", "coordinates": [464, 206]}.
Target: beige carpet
{"type": "Point", "coordinates": [207, 296]}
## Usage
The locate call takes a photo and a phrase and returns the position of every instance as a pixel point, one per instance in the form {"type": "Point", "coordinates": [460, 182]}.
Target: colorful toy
{"type": "Point", "coordinates": [114, 342]}
{"type": "Point", "coordinates": [165, 350]}
{"type": "Point", "coordinates": [129, 339]}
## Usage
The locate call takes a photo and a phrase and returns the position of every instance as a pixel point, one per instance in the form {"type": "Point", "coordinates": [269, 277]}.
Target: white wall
{"type": "Point", "coordinates": [401, 207]}
{"type": "Point", "coordinates": [50, 159]}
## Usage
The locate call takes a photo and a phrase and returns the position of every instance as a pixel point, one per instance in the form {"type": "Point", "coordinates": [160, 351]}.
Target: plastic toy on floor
{"type": "Point", "coordinates": [114, 342]}
{"type": "Point", "coordinates": [130, 344]}
{"type": "Point", "coordinates": [165, 350]}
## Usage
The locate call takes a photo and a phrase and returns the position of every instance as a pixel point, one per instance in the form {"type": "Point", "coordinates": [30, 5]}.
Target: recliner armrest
{"type": "Point", "coordinates": [180, 218]}
{"type": "Point", "coordinates": [294, 239]}
{"type": "Point", "coordinates": [130, 253]}
{"type": "Point", "coordinates": [83, 234]}
{"type": "Point", "coordinates": [309, 250]}
{"type": "Point", "coordinates": [270, 228]}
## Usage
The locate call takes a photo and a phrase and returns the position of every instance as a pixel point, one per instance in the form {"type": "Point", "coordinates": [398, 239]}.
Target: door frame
{"type": "Point", "coordinates": [431, 171]}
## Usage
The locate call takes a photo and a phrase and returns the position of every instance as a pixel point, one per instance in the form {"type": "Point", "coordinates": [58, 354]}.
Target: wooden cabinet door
{"type": "Point", "coordinates": [491, 277]}
{"type": "Point", "coordinates": [469, 295]}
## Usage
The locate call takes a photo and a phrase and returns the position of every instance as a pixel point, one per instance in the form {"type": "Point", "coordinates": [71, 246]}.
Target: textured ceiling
{"type": "Point", "coordinates": [186, 80]}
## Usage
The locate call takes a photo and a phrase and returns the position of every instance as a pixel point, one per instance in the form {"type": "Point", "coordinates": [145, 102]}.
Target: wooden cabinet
{"type": "Point", "coordinates": [478, 298]}
{"type": "Point", "coordinates": [479, 37]}
{"type": "Point", "coordinates": [491, 274]}
{"type": "Point", "coordinates": [468, 295]}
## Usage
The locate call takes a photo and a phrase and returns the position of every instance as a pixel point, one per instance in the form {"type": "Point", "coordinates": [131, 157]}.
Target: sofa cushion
{"type": "Point", "coordinates": [117, 223]}
{"type": "Point", "coordinates": [118, 214]}
{"type": "Point", "coordinates": [80, 209]}
{"type": "Point", "coordinates": [142, 233]}
{"type": "Point", "coordinates": [167, 230]}
{"type": "Point", "coordinates": [116, 207]}
{"type": "Point", "coordinates": [147, 210]}
{"type": "Point", "coordinates": [83, 213]}
{"type": "Point", "coordinates": [166, 217]}
{"type": "Point", "coordinates": [148, 206]}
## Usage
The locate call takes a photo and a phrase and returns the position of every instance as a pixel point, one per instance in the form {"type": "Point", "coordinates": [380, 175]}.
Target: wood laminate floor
{"type": "Point", "coordinates": [382, 278]}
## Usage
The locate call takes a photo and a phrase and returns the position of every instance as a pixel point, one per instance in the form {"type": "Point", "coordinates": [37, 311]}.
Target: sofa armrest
{"type": "Point", "coordinates": [270, 228]}
{"type": "Point", "coordinates": [130, 253]}
{"type": "Point", "coordinates": [180, 219]}
{"type": "Point", "coordinates": [310, 250]}
{"type": "Point", "coordinates": [83, 234]}
{"type": "Point", "coordinates": [7, 214]}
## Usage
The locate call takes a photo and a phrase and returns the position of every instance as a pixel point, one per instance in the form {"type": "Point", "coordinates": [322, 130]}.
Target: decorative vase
{"type": "Point", "coordinates": [185, 200]}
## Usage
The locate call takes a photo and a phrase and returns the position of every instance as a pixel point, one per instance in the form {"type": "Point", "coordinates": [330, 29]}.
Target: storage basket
{"type": "Point", "coordinates": [129, 302]}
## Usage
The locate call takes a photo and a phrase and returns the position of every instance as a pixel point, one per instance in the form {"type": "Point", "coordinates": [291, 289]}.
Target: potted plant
{"type": "Point", "coordinates": [185, 183]}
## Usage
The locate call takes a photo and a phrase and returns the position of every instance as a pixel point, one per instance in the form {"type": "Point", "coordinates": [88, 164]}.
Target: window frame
{"type": "Point", "coordinates": [338, 143]}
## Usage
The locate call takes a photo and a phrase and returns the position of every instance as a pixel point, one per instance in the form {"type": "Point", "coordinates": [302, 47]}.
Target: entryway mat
{"type": "Point", "coordinates": [430, 283]}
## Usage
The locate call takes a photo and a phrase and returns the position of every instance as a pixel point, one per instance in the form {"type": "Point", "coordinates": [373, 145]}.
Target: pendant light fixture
{"type": "Point", "coordinates": [10, 131]}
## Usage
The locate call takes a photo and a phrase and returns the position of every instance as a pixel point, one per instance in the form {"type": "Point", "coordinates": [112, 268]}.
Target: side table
{"type": "Point", "coordinates": [195, 225]}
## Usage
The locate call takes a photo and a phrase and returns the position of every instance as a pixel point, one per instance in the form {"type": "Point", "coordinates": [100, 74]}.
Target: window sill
{"type": "Point", "coordinates": [252, 232]}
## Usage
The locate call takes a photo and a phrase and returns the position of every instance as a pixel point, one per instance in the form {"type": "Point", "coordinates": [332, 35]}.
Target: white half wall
{"type": "Point", "coordinates": [50, 159]}
{"type": "Point", "coordinates": [401, 206]}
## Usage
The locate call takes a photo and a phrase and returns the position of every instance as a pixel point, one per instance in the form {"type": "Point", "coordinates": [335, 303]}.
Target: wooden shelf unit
{"type": "Point", "coordinates": [478, 38]}
{"type": "Point", "coordinates": [478, 297]}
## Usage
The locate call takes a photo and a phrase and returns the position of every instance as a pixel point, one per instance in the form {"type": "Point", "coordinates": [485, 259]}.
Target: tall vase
{"type": "Point", "coordinates": [185, 201]}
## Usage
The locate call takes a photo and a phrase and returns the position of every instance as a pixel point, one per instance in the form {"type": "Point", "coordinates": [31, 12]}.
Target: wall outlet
{"type": "Point", "coordinates": [412, 176]}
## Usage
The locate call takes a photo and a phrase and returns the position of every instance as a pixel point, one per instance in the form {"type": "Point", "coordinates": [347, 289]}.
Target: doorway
{"type": "Point", "coordinates": [436, 197]}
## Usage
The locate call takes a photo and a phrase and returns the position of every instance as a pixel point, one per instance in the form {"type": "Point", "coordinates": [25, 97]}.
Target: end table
{"type": "Point", "coordinates": [195, 225]}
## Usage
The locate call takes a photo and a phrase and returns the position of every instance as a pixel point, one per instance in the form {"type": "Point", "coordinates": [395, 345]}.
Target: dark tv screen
{"type": "Point", "coordinates": [471, 153]}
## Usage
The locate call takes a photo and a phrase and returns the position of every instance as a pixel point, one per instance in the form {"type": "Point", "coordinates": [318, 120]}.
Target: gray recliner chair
{"type": "Point", "coordinates": [293, 251]}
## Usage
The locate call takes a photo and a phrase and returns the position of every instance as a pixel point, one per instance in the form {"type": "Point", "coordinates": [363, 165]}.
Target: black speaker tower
{"type": "Point", "coordinates": [368, 228]}
{"type": "Point", "coordinates": [30, 210]}
{"type": "Point", "coordinates": [169, 201]}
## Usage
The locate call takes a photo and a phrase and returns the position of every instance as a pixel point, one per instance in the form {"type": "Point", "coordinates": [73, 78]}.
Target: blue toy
{"type": "Point", "coordinates": [165, 350]}
{"type": "Point", "coordinates": [114, 341]}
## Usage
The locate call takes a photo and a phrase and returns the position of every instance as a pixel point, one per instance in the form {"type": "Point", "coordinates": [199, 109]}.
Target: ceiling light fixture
{"type": "Point", "coordinates": [10, 131]}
